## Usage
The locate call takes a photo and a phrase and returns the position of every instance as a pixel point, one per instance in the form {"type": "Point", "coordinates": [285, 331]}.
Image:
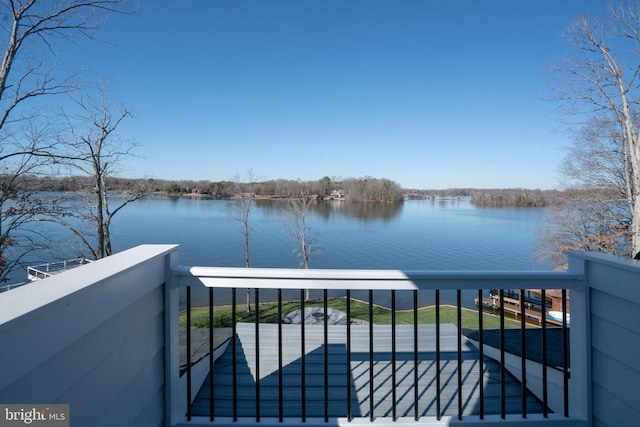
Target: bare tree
{"type": "Point", "coordinates": [30, 30]}
{"type": "Point", "coordinates": [595, 159]}
{"type": "Point", "coordinates": [297, 210]}
{"type": "Point", "coordinates": [603, 80]}
{"type": "Point", "coordinates": [245, 196]}
{"type": "Point", "coordinates": [21, 209]}
{"type": "Point", "coordinates": [584, 224]}
{"type": "Point", "coordinates": [96, 150]}
{"type": "Point", "coordinates": [592, 213]}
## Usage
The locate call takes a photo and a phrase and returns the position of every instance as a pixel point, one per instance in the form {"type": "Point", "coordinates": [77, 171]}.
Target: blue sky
{"type": "Point", "coordinates": [430, 94]}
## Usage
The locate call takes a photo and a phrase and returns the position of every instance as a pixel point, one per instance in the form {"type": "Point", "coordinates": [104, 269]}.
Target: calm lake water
{"type": "Point", "coordinates": [418, 234]}
{"type": "Point", "coordinates": [414, 235]}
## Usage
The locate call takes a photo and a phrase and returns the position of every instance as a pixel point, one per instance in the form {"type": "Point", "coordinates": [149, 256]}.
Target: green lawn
{"type": "Point", "coordinates": [222, 315]}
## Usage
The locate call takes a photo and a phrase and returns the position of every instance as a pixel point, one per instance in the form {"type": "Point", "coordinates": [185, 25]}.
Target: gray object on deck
{"type": "Point", "coordinates": [316, 315]}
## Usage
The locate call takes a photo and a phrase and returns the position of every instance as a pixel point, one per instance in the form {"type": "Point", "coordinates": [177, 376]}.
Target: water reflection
{"type": "Point", "coordinates": [366, 212]}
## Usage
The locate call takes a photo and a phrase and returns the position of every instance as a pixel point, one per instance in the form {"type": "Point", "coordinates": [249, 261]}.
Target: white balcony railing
{"type": "Point", "coordinates": [42, 271]}
{"type": "Point", "coordinates": [105, 339]}
{"type": "Point", "coordinates": [374, 398]}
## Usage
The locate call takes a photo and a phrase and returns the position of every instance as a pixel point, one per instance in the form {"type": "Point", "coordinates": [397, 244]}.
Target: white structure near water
{"type": "Point", "coordinates": [104, 338]}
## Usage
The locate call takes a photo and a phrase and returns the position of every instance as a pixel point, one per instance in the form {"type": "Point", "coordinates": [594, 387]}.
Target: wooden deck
{"type": "Point", "coordinates": [357, 376]}
{"type": "Point", "coordinates": [512, 305]}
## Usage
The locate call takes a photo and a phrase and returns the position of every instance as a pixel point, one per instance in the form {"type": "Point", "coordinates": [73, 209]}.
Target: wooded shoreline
{"type": "Point", "coordinates": [354, 190]}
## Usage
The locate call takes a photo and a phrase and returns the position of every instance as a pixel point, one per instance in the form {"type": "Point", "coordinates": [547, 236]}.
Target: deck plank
{"type": "Point", "coordinates": [357, 376]}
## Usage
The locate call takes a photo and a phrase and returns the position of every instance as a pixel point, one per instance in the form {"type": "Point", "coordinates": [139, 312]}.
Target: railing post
{"type": "Point", "coordinates": [175, 401]}
{"type": "Point", "coordinates": [580, 383]}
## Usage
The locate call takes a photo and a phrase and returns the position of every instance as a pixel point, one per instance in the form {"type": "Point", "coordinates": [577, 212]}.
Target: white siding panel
{"type": "Point", "coordinates": [611, 411]}
{"type": "Point", "coordinates": [619, 343]}
{"type": "Point", "coordinates": [616, 281]}
{"type": "Point", "coordinates": [618, 379]}
{"type": "Point", "coordinates": [70, 365]}
{"type": "Point", "coordinates": [113, 375]}
{"type": "Point", "coordinates": [616, 309]}
{"type": "Point", "coordinates": [612, 309]}
{"type": "Point", "coordinates": [93, 339]}
{"type": "Point", "coordinates": [124, 409]}
{"type": "Point", "coordinates": [152, 415]}
{"type": "Point", "coordinates": [44, 332]}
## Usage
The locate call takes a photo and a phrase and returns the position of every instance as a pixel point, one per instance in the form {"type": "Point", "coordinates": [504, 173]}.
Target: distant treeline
{"type": "Point", "coordinates": [497, 197]}
{"type": "Point", "coordinates": [510, 197]}
{"type": "Point", "coordinates": [366, 189]}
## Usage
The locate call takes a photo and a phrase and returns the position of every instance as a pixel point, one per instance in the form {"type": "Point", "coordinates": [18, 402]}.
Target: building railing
{"type": "Point", "coordinates": [5, 288]}
{"type": "Point", "coordinates": [105, 339]}
{"type": "Point", "coordinates": [42, 271]}
{"type": "Point", "coordinates": [411, 286]}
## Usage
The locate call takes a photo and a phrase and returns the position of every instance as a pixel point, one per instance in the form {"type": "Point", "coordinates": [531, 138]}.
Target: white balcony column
{"type": "Point", "coordinates": [607, 322]}
{"type": "Point", "coordinates": [175, 400]}
{"type": "Point", "coordinates": [580, 392]}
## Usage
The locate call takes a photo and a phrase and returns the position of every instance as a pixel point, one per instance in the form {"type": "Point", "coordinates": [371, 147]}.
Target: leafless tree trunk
{"type": "Point", "coordinates": [244, 195]}
{"type": "Point", "coordinates": [604, 80]}
{"type": "Point", "coordinates": [96, 150]}
{"type": "Point", "coordinates": [297, 210]}
{"type": "Point", "coordinates": [30, 31]}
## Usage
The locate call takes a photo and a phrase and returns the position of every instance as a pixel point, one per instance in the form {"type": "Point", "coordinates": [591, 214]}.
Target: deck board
{"type": "Point", "coordinates": [357, 377]}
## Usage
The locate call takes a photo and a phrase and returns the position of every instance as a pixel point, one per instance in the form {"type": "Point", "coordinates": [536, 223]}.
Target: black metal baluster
{"type": "Point", "coordinates": [257, 340]}
{"type": "Point", "coordinates": [545, 390]}
{"type": "Point", "coordinates": [280, 384]}
{"type": "Point", "coordinates": [326, 356]}
{"type": "Point", "coordinates": [371, 389]}
{"type": "Point", "coordinates": [523, 352]}
{"type": "Point", "coordinates": [211, 351]}
{"type": "Point", "coordinates": [565, 353]}
{"type": "Point", "coordinates": [234, 366]}
{"type": "Point", "coordinates": [303, 366]}
{"type": "Point", "coordinates": [349, 415]}
{"type": "Point", "coordinates": [459, 315]}
{"type": "Point", "coordinates": [188, 332]}
{"type": "Point", "coordinates": [416, 394]}
{"type": "Point", "coordinates": [481, 352]}
{"type": "Point", "coordinates": [394, 393]}
{"type": "Point", "coordinates": [503, 376]}
{"type": "Point", "coordinates": [438, 384]}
